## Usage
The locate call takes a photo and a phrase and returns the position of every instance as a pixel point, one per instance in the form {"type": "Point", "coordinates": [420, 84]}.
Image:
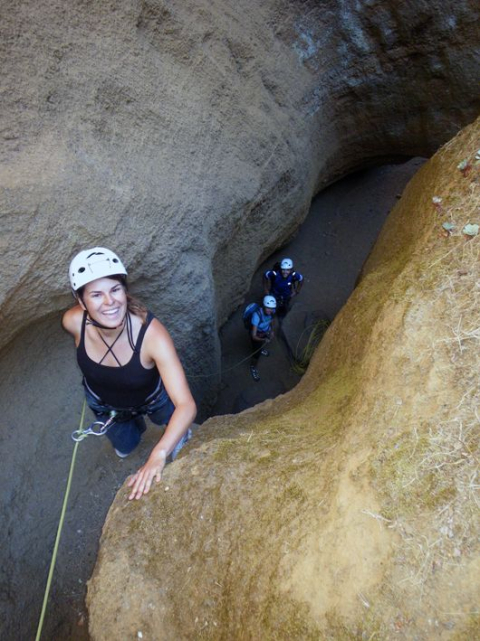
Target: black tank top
{"type": "Point", "coordinates": [120, 387]}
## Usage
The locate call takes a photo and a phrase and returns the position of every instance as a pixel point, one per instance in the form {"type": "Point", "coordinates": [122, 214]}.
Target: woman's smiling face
{"type": "Point", "coordinates": [105, 300]}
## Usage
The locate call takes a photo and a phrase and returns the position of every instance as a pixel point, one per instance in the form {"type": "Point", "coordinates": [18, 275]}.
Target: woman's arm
{"type": "Point", "coordinates": [160, 349]}
{"type": "Point", "coordinates": [267, 283]}
{"type": "Point", "coordinates": [297, 283]}
{"type": "Point", "coordinates": [72, 322]}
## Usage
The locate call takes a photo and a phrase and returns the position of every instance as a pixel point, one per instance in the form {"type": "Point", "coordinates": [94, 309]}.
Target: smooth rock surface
{"type": "Point", "coordinates": [344, 508]}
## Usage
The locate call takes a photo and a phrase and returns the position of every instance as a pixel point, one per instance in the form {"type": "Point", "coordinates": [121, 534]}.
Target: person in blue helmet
{"type": "Point", "coordinates": [261, 332]}
{"type": "Point", "coordinates": [283, 283]}
{"type": "Point", "coordinates": [129, 364]}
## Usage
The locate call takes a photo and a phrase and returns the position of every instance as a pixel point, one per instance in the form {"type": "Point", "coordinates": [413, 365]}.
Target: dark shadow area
{"type": "Point", "coordinates": [329, 249]}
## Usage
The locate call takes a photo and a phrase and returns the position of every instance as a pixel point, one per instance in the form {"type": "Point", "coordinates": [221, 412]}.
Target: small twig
{"type": "Point", "coordinates": [463, 398]}
{"type": "Point", "coordinates": [442, 257]}
{"type": "Point", "coordinates": [363, 600]}
{"type": "Point", "coordinates": [378, 517]}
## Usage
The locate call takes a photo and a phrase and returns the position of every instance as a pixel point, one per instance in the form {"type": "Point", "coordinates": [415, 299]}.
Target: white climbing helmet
{"type": "Point", "coordinates": [269, 302]}
{"type": "Point", "coordinates": [287, 263]}
{"type": "Point", "coordinates": [90, 264]}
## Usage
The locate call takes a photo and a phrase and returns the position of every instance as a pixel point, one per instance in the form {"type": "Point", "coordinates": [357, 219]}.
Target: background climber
{"type": "Point", "coordinates": [283, 283]}
{"type": "Point", "coordinates": [261, 332]}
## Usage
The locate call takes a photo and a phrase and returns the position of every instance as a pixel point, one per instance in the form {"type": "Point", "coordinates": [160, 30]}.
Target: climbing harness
{"type": "Point", "coordinates": [80, 434]}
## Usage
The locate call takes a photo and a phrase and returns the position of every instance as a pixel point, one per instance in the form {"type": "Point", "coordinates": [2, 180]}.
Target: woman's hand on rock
{"type": "Point", "coordinates": [141, 481]}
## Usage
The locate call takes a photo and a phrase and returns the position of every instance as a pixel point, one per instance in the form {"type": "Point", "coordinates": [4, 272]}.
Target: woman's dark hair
{"type": "Point", "coordinates": [134, 306]}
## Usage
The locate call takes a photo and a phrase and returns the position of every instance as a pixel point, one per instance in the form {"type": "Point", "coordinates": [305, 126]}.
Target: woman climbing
{"type": "Point", "coordinates": [129, 364]}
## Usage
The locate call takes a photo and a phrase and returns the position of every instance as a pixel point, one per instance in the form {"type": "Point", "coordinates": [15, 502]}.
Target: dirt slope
{"type": "Point", "coordinates": [350, 508]}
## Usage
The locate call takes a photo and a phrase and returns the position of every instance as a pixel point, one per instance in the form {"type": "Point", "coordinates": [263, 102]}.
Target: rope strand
{"type": "Point", "coordinates": [229, 369]}
{"type": "Point", "coordinates": [59, 532]}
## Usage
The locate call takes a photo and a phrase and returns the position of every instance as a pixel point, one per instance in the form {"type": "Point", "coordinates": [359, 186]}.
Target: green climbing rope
{"type": "Point", "coordinates": [59, 532]}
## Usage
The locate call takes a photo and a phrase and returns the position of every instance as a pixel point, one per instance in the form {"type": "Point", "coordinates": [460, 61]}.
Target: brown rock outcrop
{"type": "Point", "coordinates": [191, 137]}
{"type": "Point", "coordinates": [348, 506]}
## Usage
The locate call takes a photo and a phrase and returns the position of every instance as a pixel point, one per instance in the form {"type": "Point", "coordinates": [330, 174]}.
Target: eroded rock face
{"type": "Point", "coordinates": [190, 137]}
{"type": "Point", "coordinates": [346, 506]}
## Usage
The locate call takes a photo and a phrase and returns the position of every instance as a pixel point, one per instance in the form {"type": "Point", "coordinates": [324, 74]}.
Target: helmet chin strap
{"type": "Point", "coordinates": [96, 324]}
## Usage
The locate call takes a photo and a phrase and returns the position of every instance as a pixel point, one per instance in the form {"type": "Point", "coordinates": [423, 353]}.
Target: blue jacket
{"type": "Point", "coordinates": [282, 287]}
{"type": "Point", "coordinates": [261, 321]}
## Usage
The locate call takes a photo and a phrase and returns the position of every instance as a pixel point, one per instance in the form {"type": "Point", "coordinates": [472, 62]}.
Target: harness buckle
{"type": "Point", "coordinates": [80, 434]}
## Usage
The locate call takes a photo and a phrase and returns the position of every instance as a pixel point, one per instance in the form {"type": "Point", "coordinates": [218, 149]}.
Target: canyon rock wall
{"type": "Point", "coordinates": [347, 508]}
{"type": "Point", "coordinates": [191, 136]}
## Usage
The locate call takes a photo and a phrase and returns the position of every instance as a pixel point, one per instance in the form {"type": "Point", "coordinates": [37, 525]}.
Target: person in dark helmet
{"type": "Point", "coordinates": [283, 283]}
{"type": "Point", "coordinates": [261, 332]}
{"type": "Point", "coordinates": [129, 363]}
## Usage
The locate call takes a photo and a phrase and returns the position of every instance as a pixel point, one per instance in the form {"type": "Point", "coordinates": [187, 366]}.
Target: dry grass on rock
{"type": "Point", "coordinates": [427, 465]}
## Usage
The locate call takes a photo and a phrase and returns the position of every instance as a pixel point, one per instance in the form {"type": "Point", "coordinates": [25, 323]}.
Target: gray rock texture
{"type": "Point", "coordinates": [190, 137]}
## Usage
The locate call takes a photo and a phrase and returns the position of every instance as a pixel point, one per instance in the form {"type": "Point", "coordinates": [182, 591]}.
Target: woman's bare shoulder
{"type": "Point", "coordinates": [156, 330]}
{"type": "Point", "coordinates": [158, 340]}
{"type": "Point", "coordinates": [72, 320]}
